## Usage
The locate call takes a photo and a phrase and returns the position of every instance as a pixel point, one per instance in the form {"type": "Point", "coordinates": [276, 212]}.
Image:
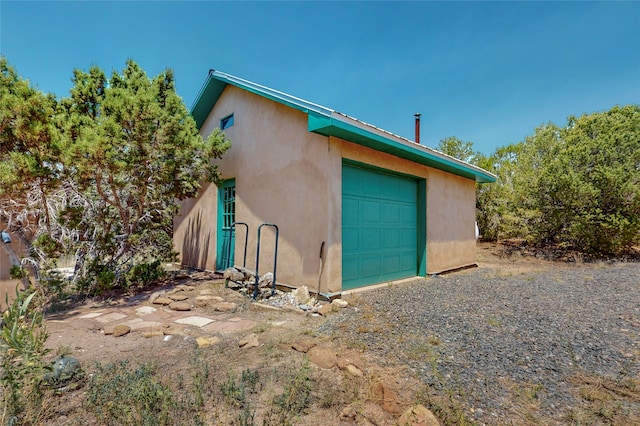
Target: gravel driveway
{"type": "Point", "coordinates": [521, 348]}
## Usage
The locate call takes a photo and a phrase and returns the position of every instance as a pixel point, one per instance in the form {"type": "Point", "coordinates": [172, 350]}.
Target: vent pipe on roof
{"type": "Point", "coordinates": [417, 115]}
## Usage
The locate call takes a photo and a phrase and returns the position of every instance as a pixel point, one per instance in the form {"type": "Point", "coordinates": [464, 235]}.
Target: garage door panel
{"type": "Point", "coordinates": [350, 210]}
{"type": "Point", "coordinates": [350, 269]}
{"type": "Point", "coordinates": [408, 214]}
{"type": "Point", "coordinates": [370, 186]}
{"type": "Point", "coordinates": [385, 217]}
{"type": "Point", "coordinates": [390, 264]}
{"type": "Point", "coordinates": [406, 192]}
{"type": "Point", "coordinates": [369, 239]}
{"type": "Point", "coordinates": [350, 234]}
{"type": "Point", "coordinates": [391, 213]}
{"type": "Point", "coordinates": [391, 239]}
{"type": "Point", "coordinates": [350, 181]}
{"type": "Point", "coordinates": [368, 266]}
{"type": "Point", "coordinates": [407, 260]}
{"type": "Point", "coordinates": [370, 211]}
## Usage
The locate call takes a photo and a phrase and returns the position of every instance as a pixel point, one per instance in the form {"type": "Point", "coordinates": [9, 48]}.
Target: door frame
{"type": "Point", "coordinates": [222, 231]}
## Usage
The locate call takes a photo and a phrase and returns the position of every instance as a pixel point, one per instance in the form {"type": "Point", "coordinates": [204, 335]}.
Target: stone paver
{"type": "Point", "coordinates": [91, 315]}
{"type": "Point", "coordinates": [196, 321]}
{"type": "Point", "coordinates": [111, 317]}
{"type": "Point", "coordinates": [144, 310]}
{"type": "Point", "coordinates": [157, 320]}
{"type": "Point", "coordinates": [227, 326]}
{"type": "Point", "coordinates": [157, 316]}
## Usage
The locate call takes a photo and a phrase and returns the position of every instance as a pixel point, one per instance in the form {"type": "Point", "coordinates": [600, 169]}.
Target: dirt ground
{"type": "Point", "coordinates": [343, 382]}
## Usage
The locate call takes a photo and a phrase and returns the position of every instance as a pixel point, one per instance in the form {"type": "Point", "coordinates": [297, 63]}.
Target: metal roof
{"type": "Point", "coordinates": [325, 121]}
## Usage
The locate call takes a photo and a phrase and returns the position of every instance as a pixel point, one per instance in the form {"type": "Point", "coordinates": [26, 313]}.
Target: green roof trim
{"type": "Point", "coordinates": [217, 81]}
{"type": "Point", "coordinates": [327, 122]}
{"type": "Point", "coordinates": [332, 126]}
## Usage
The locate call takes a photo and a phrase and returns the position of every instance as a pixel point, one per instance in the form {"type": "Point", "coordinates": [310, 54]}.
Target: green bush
{"type": "Point", "coordinates": [575, 187]}
{"type": "Point", "coordinates": [17, 272]}
{"type": "Point", "coordinates": [144, 273]}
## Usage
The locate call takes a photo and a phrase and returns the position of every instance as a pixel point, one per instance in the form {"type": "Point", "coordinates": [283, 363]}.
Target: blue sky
{"type": "Point", "coordinates": [486, 72]}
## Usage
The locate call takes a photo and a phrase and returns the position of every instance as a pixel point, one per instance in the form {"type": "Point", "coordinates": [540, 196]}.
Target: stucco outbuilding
{"type": "Point", "coordinates": [355, 205]}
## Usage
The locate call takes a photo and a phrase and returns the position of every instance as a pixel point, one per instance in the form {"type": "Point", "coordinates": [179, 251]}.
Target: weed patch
{"type": "Point", "coordinates": [119, 394]}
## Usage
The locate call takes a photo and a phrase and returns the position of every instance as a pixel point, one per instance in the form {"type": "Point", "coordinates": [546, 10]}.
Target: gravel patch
{"type": "Point", "coordinates": [502, 343]}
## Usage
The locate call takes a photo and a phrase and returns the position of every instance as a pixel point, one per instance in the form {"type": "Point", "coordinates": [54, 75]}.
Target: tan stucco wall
{"type": "Point", "coordinates": [291, 177]}
{"type": "Point", "coordinates": [281, 173]}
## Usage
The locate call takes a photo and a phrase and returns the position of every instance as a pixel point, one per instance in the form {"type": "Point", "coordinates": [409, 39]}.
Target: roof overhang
{"type": "Point", "coordinates": [324, 121]}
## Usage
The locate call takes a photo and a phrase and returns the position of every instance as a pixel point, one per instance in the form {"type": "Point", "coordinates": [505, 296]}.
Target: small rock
{"type": "Point", "coordinates": [180, 306]}
{"type": "Point", "coordinates": [63, 370]}
{"type": "Point", "coordinates": [348, 414]}
{"type": "Point", "coordinates": [386, 398]}
{"type": "Point", "coordinates": [225, 307]}
{"type": "Point", "coordinates": [340, 303]}
{"type": "Point", "coordinates": [250, 341]}
{"type": "Point", "coordinates": [155, 295]}
{"type": "Point", "coordinates": [266, 280]}
{"type": "Point", "coordinates": [153, 333]}
{"type": "Point", "coordinates": [144, 310]}
{"type": "Point", "coordinates": [205, 301]}
{"type": "Point", "coordinates": [178, 297]}
{"type": "Point", "coordinates": [418, 415]}
{"type": "Point", "coordinates": [255, 306]}
{"type": "Point", "coordinates": [183, 287]}
{"type": "Point", "coordinates": [162, 301]}
{"type": "Point", "coordinates": [325, 309]}
{"type": "Point", "coordinates": [323, 356]}
{"type": "Point", "coordinates": [173, 330]}
{"type": "Point", "coordinates": [205, 342]}
{"type": "Point", "coordinates": [303, 345]}
{"type": "Point", "coordinates": [233, 274]}
{"type": "Point", "coordinates": [301, 295]}
{"type": "Point", "coordinates": [108, 330]}
{"type": "Point", "coordinates": [121, 330]}
{"type": "Point", "coordinates": [354, 371]}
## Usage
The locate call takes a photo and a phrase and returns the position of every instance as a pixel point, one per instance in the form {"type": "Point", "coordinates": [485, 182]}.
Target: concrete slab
{"type": "Point", "coordinates": [195, 321]}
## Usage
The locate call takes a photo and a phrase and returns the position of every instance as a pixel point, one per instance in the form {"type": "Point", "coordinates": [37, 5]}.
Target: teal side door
{"type": "Point", "coordinates": [380, 227]}
{"type": "Point", "coordinates": [226, 216]}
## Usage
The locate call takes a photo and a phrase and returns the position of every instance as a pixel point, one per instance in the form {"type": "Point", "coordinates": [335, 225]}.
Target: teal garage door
{"type": "Point", "coordinates": [379, 227]}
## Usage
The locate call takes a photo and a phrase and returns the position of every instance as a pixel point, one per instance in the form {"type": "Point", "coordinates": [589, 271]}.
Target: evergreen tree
{"type": "Point", "coordinates": [131, 151]}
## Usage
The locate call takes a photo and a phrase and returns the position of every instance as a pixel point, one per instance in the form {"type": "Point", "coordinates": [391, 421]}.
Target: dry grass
{"type": "Point", "coordinates": [606, 400]}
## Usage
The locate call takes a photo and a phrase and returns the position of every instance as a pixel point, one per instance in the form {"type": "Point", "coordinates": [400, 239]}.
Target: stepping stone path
{"type": "Point", "coordinates": [163, 316]}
